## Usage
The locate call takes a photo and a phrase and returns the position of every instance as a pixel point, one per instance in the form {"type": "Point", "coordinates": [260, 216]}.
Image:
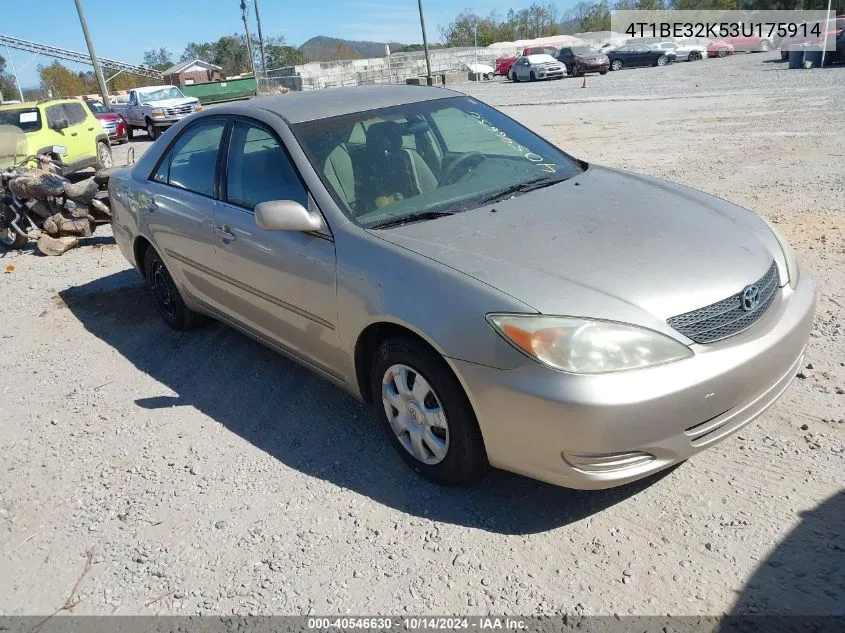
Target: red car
{"type": "Point", "coordinates": [111, 122]}
{"type": "Point", "coordinates": [720, 48]}
{"type": "Point", "coordinates": [503, 64]}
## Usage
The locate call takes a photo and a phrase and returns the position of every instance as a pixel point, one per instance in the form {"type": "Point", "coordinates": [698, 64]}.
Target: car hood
{"type": "Point", "coordinates": [170, 103]}
{"type": "Point", "coordinates": [591, 58]}
{"type": "Point", "coordinates": [606, 244]}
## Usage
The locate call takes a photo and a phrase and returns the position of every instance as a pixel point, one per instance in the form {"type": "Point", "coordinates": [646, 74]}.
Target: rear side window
{"type": "Point", "coordinates": [191, 162]}
{"type": "Point", "coordinates": [75, 113]}
{"type": "Point", "coordinates": [259, 169]}
{"type": "Point", "coordinates": [56, 113]}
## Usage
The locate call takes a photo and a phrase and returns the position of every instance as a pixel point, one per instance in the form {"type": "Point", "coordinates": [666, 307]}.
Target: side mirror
{"type": "Point", "coordinates": [60, 125]}
{"type": "Point", "coordinates": [286, 215]}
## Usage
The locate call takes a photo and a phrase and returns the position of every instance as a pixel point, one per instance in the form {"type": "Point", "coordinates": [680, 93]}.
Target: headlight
{"type": "Point", "coordinates": [157, 113]}
{"type": "Point", "coordinates": [792, 269]}
{"type": "Point", "coordinates": [587, 346]}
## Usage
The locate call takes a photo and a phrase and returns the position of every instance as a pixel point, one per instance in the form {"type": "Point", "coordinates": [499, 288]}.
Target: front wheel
{"type": "Point", "coordinates": [169, 302]}
{"type": "Point", "coordinates": [694, 56]}
{"type": "Point", "coordinates": [602, 72]}
{"type": "Point", "coordinates": [616, 64]}
{"type": "Point", "coordinates": [152, 131]}
{"type": "Point", "coordinates": [130, 132]}
{"type": "Point", "coordinates": [514, 77]}
{"type": "Point", "coordinates": [765, 46]}
{"type": "Point", "coordinates": [104, 157]}
{"type": "Point", "coordinates": [426, 414]}
{"type": "Point", "coordinates": [533, 76]}
{"type": "Point", "coordinates": [11, 239]}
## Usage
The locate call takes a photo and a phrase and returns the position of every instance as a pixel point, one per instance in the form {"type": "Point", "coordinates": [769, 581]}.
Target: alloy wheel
{"type": "Point", "coordinates": [415, 413]}
{"type": "Point", "coordinates": [105, 156]}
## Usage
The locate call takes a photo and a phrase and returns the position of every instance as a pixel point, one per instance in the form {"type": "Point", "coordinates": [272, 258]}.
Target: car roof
{"type": "Point", "coordinates": [298, 107]}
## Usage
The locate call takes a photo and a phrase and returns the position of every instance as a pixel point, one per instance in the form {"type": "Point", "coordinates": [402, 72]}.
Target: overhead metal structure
{"type": "Point", "coordinates": [75, 56]}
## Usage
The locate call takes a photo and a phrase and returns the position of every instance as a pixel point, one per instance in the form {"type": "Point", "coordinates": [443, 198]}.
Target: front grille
{"type": "Point", "coordinates": [183, 109]}
{"type": "Point", "coordinates": [727, 317]}
{"type": "Point", "coordinates": [109, 126]}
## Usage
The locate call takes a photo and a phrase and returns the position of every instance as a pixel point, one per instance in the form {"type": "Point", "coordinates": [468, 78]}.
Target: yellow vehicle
{"type": "Point", "coordinates": [61, 124]}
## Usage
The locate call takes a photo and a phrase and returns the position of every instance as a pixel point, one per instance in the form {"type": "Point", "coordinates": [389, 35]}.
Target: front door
{"type": "Point", "coordinates": [279, 284]}
{"type": "Point", "coordinates": [180, 208]}
{"type": "Point", "coordinates": [56, 114]}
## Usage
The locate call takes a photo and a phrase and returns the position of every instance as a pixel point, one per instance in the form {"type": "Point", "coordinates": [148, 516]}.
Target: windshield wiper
{"type": "Point", "coordinates": [523, 187]}
{"type": "Point", "coordinates": [408, 219]}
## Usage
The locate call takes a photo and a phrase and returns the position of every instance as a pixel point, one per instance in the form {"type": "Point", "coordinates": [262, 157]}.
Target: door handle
{"type": "Point", "coordinates": [225, 233]}
{"type": "Point", "coordinates": [90, 129]}
{"type": "Point", "coordinates": [74, 133]}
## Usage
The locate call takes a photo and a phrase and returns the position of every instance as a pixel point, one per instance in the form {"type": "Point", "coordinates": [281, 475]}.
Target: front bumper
{"type": "Point", "coordinates": [551, 73]}
{"type": "Point", "coordinates": [601, 431]}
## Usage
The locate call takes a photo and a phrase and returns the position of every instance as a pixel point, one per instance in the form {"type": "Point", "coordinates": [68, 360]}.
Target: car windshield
{"type": "Point", "coordinates": [584, 50]}
{"type": "Point", "coordinates": [442, 156]}
{"type": "Point", "coordinates": [27, 119]}
{"type": "Point", "coordinates": [160, 94]}
{"type": "Point", "coordinates": [97, 107]}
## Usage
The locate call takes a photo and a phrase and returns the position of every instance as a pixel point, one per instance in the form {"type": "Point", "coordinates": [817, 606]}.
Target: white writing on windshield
{"type": "Point", "coordinates": [525, 152]}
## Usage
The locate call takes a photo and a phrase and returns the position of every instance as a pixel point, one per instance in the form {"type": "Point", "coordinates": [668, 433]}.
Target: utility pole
{"type": "Point", "coordinates": [15, 73]}
{"type": "Point", "coordinates": [429, 79]}
{"type": "Point", "coordinates": [261, 42]}
{"type": "Point", "coordinates": [248, 40]}
{"type": "Point", "coordinates": [104, 91]}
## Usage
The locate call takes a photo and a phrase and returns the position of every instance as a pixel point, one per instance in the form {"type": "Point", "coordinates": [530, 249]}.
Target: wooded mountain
{"type": "Point", "coordinates": [325, 48]}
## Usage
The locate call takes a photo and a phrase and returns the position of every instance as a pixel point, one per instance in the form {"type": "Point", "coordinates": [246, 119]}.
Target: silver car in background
{"type": "Point", "coordinates": [536, 68]}
{"type": "Point", "coordinates": [496, 300]}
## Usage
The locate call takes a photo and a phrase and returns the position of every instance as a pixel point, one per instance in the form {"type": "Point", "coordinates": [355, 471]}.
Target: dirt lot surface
{"type": "Point", "coordinates": [203, 473]}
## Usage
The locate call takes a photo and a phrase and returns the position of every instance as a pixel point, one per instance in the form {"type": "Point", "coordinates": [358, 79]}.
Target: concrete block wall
{"type": "Point", "coordinates": [380, 70]}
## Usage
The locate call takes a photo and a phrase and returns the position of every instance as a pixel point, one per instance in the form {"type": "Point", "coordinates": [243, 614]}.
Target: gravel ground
{"type": "Point", "coordinates": [201, 473]}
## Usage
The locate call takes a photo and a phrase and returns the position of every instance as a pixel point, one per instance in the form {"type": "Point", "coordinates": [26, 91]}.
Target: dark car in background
{"type": "Point", "coordinates": [583, 59]}
{"type": "Point", "coordinates": [638, 55]}
{"type": "Point", "coordinates": [111, 122]}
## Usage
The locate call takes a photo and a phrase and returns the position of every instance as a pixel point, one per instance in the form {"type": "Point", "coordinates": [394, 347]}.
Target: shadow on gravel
{"type": "Point", "coordinates": [306, 422]}
{"type": "Point", "coordinates": [803, 576]}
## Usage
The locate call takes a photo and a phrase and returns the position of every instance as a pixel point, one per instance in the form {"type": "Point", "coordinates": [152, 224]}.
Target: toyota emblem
{"type": "Point", "coordinates": [750, 298]}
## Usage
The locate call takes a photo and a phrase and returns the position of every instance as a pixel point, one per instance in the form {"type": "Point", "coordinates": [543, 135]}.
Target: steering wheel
{"type": "Point", "coordinates": [462, 166]}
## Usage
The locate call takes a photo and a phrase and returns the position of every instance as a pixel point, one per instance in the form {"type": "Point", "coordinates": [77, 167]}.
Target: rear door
{"type": "Point", "coordinates": [180, 210]}
{"type": "Point", "coordinates": [80, 132]}
{"type": "Point", "coordinates": [279, 284]}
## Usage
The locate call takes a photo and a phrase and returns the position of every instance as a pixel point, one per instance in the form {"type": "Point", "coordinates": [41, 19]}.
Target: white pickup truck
{"type": "Point", "coordinates": [154, 108]}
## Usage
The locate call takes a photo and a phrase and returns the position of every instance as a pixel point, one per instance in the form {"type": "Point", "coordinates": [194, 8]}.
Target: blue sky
{"type": "Point", "coordinates": [121, 33]}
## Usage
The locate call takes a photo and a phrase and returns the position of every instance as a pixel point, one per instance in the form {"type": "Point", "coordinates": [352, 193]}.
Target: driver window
{"type": "Point", "coordinates": [133, 98]}
{"type": "Point", "coordinates": [259, 169]}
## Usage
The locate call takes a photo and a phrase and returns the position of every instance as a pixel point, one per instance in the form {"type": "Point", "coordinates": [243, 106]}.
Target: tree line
{"type": "Point", "coordinates": [543, 20]}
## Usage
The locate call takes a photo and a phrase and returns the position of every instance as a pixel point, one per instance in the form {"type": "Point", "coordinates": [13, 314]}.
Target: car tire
{"type": "Point", "coordinates": [513, 77]}
{"type": "Point", "coordinates": [723, 52]}
{"type": "Point", "coordinates": [533, 76]}
{"type": "Point", "coordinates": [129, 133]}
{"type": "Point", "coordinates": [456, 433]}
{"type": "Point", "coordinates": [104, 156]}
{"type": "Point", "coordinates": [694, 56]}
{"type": "Point", "coordinates": [765, 46]}
{"type": "Point", "coordinates": [616, 64]}
{"type": "Point", "coordinates": [152, 130]}
{"type": "Point", "coordinates": [661, 61]}
{"type": "Point", "coordinates": [602, 72]}
{"type": "Point", "coordinates": [166, 295]}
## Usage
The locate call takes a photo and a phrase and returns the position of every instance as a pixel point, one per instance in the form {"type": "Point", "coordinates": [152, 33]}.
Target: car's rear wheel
{"type": "Point", "coordinates": [694, 56]}
{"type": "Point", "coordinates": [661, 61]}
{"type": "Point", "coordinates": [723, 52]}
{"type": "Point", "coordinates": [152, 130]}
{"type": "Point", "coordinates": [765, 46]}
{"type": "Point", "coordinates": [616, 64]}
{"type": "Point", "coordinates": [104, 157]}
{"type": "Point", "coordinates": [169, 302]}
{"type": "Point", "coordinates": [602, 72]}
{"type": "Point", "coordinates": [426, 414]}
